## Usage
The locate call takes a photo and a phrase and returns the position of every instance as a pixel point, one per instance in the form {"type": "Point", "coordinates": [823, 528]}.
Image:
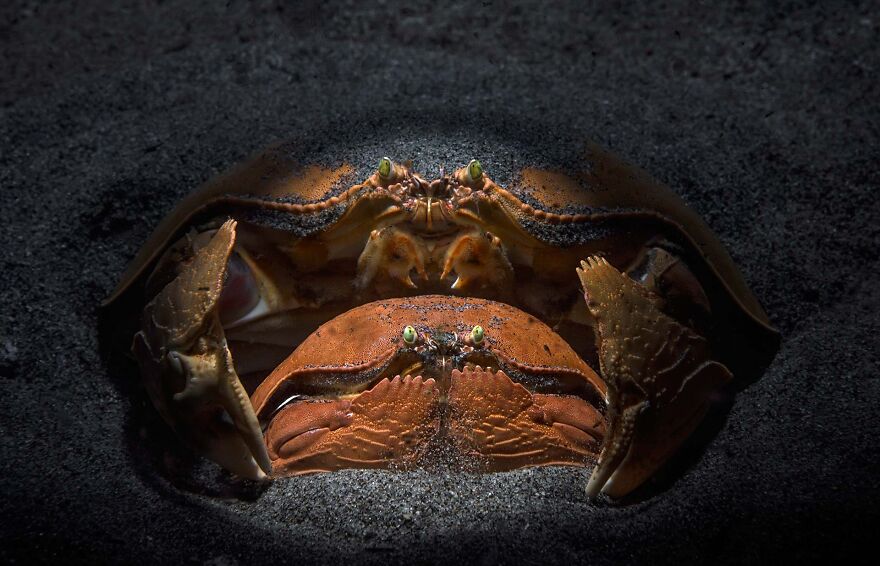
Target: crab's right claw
{"type": "Point", "coordinates": [659, 373]}
{"type": "Point", "coordinates": [188, 368]}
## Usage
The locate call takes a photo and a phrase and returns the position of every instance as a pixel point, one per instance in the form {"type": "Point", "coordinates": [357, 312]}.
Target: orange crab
{"type": "Point", "coordinates": [298, 321]}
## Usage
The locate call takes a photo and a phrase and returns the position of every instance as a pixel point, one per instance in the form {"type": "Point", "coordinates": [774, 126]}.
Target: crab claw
{"type": "Point", "coordinates": [477, 260]}
{"type": "Point", "coordinates": [659, 373]}
{"type": "Point", "coordinates": [391, 256]}
{"type": "Point", "coordinates": [188, 367]}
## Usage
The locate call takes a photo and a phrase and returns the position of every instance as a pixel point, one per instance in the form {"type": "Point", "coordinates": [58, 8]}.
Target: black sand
{"type": "Point", "coordinates": [765, 120]}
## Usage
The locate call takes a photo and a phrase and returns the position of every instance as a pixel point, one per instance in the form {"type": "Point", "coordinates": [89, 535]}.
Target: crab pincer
{"type": "Point", "coordinates": [188, 368]}
{"type": "Point", "coordinates": [659, 373]}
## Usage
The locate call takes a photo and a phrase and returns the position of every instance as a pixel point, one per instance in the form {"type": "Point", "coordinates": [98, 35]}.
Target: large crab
{"type": "Point", "coordinates": [297, 320]}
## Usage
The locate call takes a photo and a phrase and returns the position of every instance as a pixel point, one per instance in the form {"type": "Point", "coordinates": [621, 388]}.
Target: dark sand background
{"type": "Point", "coordinates": [763, 117]}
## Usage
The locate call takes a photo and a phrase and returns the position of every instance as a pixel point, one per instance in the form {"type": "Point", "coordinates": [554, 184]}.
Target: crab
{"type": "Point", "coordinates": [298, 319]}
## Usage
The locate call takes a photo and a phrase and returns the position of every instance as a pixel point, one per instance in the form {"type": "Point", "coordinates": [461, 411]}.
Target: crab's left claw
{"type": "Point", "coordinates": [660, 378]}
{"type": "Point", "coordinates": [188, 368]}
{"type": "Point", "coordinates": [391, 256]}
{"type": "Point", "coordinates": [477, 260]}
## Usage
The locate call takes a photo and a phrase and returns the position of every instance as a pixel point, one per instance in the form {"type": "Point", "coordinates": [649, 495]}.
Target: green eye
{"type": "Point", "coordinates": [385, 167]}
{"type": "Point", "coordinates": [475, 170]}
{"type": "Point", "coordinates": [409, 335]}
{"type": "Point", "coordinates": [477, 334]}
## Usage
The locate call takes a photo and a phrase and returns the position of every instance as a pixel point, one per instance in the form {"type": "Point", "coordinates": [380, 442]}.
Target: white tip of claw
{"type": "Point", "coordinates": [259, 474]}
{"type": "Point", "coordinates": [594, 485]}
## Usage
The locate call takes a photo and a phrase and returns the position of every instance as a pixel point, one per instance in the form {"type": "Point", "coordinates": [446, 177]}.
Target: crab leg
{"type": "Point", "coordinates": [188, 367]}
{"type": "Point", "coordinates": [659, 373]}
